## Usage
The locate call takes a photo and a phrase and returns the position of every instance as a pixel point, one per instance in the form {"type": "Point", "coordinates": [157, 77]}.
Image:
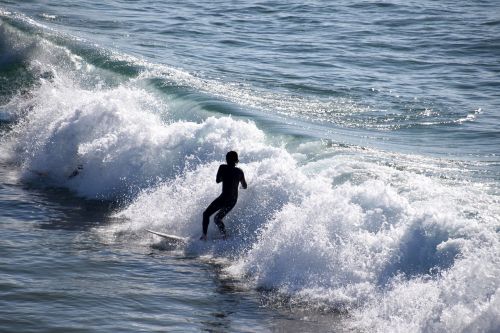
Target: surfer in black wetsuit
{"type": "Point", "coordinates": [231, 177]}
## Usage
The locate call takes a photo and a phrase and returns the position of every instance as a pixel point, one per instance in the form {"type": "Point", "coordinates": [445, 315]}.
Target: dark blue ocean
{"type": "Point", "coordinates": [368, 131]}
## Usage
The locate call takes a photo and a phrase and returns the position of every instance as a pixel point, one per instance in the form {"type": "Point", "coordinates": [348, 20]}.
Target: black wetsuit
{"type": "Point", "coordinates": [230, 176]}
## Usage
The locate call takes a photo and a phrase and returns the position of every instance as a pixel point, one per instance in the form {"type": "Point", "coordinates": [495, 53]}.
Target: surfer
{"type": "Point", "coordinates": [231, 177]}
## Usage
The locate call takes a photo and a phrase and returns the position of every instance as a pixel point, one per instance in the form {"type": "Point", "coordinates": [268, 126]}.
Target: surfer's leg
{"type": "Point", "coordinates": [220, 224]}
{"type": "Point", "coordinates": [212, 208]}
{"type": "Point", "coordinates": [220, 215]}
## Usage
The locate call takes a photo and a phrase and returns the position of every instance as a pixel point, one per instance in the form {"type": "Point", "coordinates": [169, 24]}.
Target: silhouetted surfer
{"type": "Point", "coordinates": [231, 177]}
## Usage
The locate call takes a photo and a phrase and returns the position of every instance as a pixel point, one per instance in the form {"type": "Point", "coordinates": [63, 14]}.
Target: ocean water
{"type": "Point", "coordinates": [368, 131]}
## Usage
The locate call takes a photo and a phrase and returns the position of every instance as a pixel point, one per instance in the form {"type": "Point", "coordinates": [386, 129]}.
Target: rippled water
{"type": "Point", "coordinates": [368, 132]}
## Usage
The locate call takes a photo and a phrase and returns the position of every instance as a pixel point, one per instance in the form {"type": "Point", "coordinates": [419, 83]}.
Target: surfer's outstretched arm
{"type": "Point", "coordinates": [243, 182]}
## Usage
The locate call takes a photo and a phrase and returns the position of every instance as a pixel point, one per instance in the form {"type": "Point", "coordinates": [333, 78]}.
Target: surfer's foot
{"type": "Point", "coordinates": [203, 237]}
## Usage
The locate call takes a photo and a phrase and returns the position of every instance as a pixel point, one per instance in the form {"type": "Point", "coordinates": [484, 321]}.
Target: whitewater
{"type": "Point", "coordinates": [358, 214]}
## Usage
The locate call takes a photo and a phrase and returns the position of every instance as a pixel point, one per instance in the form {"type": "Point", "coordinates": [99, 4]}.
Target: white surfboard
{"type": "Point", "coordinates": [171, 238]}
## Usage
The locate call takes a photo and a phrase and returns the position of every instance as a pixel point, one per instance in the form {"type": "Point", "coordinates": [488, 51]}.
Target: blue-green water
{"type": "Point", "coordinates": [369, 133]}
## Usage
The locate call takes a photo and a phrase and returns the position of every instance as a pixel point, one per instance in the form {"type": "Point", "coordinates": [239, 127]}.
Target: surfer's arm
{"type": "Point", "coordinates": [220, 172]}
{"type": "Point", "coordinates": [243, 181]}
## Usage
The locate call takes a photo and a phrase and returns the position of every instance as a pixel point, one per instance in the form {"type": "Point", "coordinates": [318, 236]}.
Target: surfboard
{"type": "Point", "coordinates": [171, 238]}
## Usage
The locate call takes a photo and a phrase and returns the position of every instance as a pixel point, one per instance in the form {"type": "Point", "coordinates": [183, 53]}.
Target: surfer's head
{"type": "Point", "coordinates": [232, 158]}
